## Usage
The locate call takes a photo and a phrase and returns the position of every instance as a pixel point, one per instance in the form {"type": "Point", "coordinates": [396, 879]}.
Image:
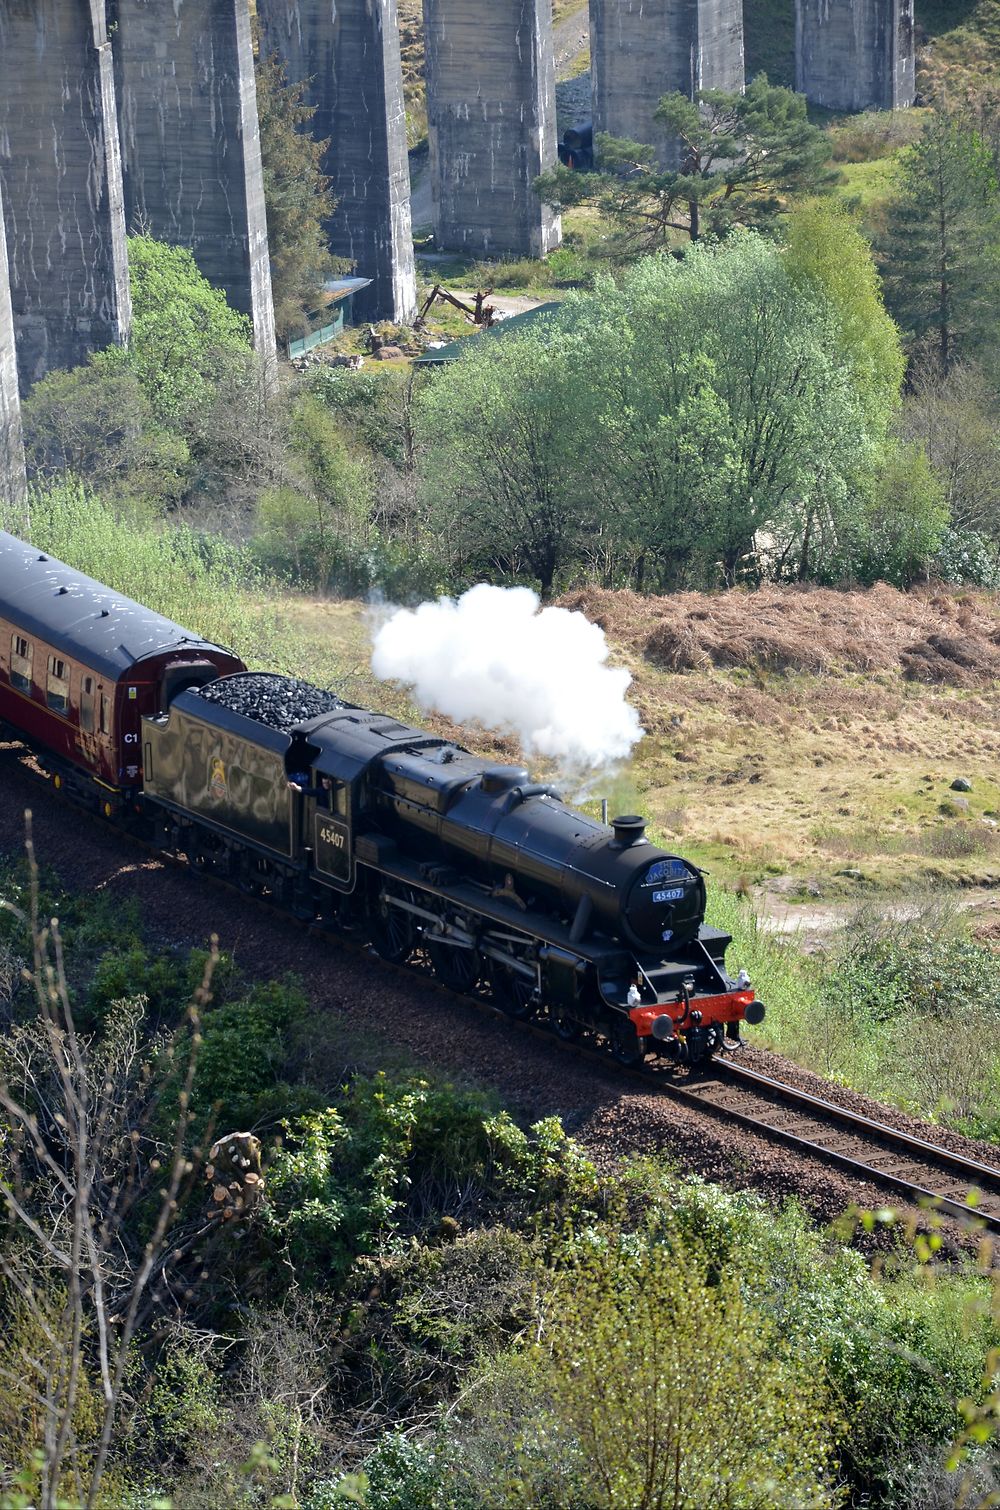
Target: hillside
{"type": "Point", "coordinates": [806, 739]}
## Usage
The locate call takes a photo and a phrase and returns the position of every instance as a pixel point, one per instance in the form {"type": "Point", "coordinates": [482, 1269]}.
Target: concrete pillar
{"type": "Point", "coordinates": [641, 50]}
{"type": "Point", "coordinates": [348, 54]}
{"type": "Point", "coordinates": [855, 54]}
{"type": "Point", "coordinates": [11, 448]}
{"type": "Point", "coordinates": [491, 112]}
{"type": "Point", "coordinates": [60, 174]}
{"type": "Point", "coordinates": [187, 106]}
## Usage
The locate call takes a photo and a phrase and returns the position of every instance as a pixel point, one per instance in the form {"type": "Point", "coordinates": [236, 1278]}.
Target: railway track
{"type": "Point", "coordinates": [927, 1174]}
{"type": "Point", "coordinates": [924, 1173]}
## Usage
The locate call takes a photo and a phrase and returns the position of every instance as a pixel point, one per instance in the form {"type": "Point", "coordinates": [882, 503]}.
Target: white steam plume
{"type": "Point", "coordinates": [491, 658]}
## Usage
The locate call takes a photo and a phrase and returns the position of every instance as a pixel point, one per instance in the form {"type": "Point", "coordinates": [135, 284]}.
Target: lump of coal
{"type": "Point", "coordinates": [280, 702]}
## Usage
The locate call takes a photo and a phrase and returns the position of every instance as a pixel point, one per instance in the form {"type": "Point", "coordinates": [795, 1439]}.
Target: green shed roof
{"type": "Point", "coordinates": [454, 349]}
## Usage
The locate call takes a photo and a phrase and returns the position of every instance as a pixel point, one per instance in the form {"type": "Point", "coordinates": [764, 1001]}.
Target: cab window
{"type": "Point", "coordinates": [21, 652]}
{"type": "Point", "coordinates": [87, 705]}
{"type": "Point", "coordinates": [105, 714]}
{"type": "Point", "coordinates": [57, 685]}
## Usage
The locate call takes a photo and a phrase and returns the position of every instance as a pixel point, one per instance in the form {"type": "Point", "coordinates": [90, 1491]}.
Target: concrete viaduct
{"type": "Point", "coordinates": [116, 114]}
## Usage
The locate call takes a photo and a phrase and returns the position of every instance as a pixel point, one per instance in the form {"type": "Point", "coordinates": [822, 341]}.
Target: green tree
{"type": "Point", "coordinates": [904, 520]}
{"type": "Point", "coordinates": [504, 463]}
{"type": "Point", "coordinates": [297, 195]}
{"type": "Point", "coordinates": [661, 427]}
{"type": "Point", "coordinates": [679, 1394]}
{"type": "Point", "coordinates": [942, 242]}
{"type": "Point", "coordinates": [741, 412]}
{"type": "Point", "coordinates": [97, 423]}
{"type": "Point", "coordinates": [741, 156]}
{"type": "Point", "coordinates": [827, 252]}
{"type": "Point", "coordinates": [184, 334]}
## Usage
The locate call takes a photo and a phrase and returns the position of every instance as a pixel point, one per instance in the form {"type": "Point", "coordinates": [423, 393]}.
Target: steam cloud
{"type": "Point", "coordinates": [491, 658]}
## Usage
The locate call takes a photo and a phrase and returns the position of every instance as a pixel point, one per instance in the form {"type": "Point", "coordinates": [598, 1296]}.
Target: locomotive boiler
{"type": "Point", "coordinates": [347, 816]}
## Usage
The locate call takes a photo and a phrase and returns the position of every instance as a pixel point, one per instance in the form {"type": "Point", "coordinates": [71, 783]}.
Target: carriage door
{"type": "Point", "coordinates": [132, 703]}
{"type": "Point", "coordinates": [332, 847]}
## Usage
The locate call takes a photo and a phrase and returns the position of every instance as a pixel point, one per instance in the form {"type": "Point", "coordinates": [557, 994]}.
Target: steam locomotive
{"type": "Point", "coordinates": [349, 817]}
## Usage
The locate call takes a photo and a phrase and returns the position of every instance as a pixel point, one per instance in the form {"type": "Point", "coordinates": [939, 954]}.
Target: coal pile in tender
{"type": "Point", "coordinates": [280, 702]}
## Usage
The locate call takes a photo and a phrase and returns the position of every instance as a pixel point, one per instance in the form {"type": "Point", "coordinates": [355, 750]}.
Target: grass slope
{"type": "Point", "coordinates": [801, 734]}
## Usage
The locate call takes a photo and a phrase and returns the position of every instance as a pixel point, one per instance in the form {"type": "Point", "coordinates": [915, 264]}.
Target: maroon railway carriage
{"type": "Point", "coordinates": [79, 667]}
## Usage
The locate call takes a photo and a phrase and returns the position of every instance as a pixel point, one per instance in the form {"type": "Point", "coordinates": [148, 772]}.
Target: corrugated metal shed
{"type": "Point", "coordinates": [454, 349]}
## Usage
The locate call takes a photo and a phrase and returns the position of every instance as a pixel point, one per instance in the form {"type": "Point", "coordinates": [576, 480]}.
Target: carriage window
{"type": "Point", "coordinates": [20, 663]}
{"type": "Point", "coordinates": [87, 705]}
{"type": "Point", "coordinates": [57, 685]}
{"type": "Point", "coordinates": [105, 715]}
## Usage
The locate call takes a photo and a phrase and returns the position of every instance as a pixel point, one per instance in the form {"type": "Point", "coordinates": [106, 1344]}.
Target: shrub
{"type": "Point", "coordinates": [647, 1342]}
{"type": "Point", "coordinates": [244, 1057]}
{"type": "Point", "coordinates": [966, 558]}
{"type": "Point", "coordinates": [390, 1153]}
{"type": "Point", "coordinates": [401, 1474]}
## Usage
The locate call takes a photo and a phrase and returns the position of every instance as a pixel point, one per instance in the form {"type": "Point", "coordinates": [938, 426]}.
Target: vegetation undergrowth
{"type": "Point", "coordinates": [414, 1301]}
{"type": "Point", "coordinates": [898, 1002]}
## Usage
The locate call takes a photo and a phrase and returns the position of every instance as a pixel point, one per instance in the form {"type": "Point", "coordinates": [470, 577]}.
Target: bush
{"type": "Point", "coordinates": [905, 523]}
{"type": "Point", "coordinates": [244, 1056]}
{"type": "Point", "coordinates": [871, 135]}
{"type": "Point", "coordinates": [125, 973]}
{"type": "Point", "coordinates": [646, 1342]}
{"type": "Point", "coordinates": [923, 966]}
{"type": "Point", "coordinates": [967, 559]}
{"type": "Point", "coordinates": [401, 1474]}
{"type": "Point", "coordinates": [390, 1153]}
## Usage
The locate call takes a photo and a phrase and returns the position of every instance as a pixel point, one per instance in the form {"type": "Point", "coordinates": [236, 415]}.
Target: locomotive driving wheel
{"type": "Point", "coordinates": [564, 1024]}
{"type": "Point", "coordinates": [391, 930]}
{"type": "Point", "coordinates": [456, 968]}
{"type": "Point", "coordinates": [514, 993]}
{"type": "Point", "coordinates": [624, 1041]}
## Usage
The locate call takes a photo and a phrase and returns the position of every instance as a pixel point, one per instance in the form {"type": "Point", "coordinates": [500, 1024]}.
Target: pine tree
{"type": "Point", "coordinates": [741, 156]}
{"type": "Point", "coordinates": [941, 251]}
{"type": "Point", "coordinates": [297, 195]}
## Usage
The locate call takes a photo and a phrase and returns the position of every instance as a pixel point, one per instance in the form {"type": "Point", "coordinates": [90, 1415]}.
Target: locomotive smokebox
{"type": "Point", "coordinates": [628, 830]}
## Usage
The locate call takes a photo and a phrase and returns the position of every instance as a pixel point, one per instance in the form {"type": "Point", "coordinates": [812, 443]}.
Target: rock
{"type": "Point", "coordinates": [961, 785]}
{"type": "Point", "coordinates": [852, 875]}
{"type": "Point", "coordinates": [389, 354]}
{"type": "Point", "coordinates": [961, 803]}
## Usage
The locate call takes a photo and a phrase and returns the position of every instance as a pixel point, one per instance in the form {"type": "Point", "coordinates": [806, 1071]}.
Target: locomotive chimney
{"type": "Point", "coordinates": [628, 830]}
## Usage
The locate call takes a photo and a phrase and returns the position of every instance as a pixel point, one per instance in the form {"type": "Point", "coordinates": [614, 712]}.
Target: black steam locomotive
{"type": "Point", "coordinates": [348, 816]}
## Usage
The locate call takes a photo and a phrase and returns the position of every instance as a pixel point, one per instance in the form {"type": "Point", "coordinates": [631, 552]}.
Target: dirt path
{"type": "Point", "coordinates": [811, 924]}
